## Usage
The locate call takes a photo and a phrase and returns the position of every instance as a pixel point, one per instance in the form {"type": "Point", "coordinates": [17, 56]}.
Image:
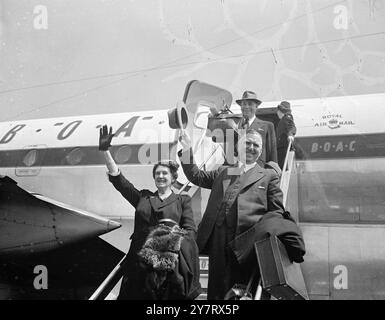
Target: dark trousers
{"type": "Point", "coordinates": [224, 269]}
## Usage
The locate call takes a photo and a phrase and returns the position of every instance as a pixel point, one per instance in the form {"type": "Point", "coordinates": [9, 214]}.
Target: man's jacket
{"type": "Point", "coordinates": [259, 208]}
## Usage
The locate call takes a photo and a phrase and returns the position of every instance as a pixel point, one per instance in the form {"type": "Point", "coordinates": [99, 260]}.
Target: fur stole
{"type": "Point", "coordinates": [159, 256]}
{"type": "Point", "coordinates": [161, 248]}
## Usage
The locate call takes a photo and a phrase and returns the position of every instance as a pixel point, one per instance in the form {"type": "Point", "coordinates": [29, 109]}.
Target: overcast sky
{"type": "Point", "coordinates": [71, 57]}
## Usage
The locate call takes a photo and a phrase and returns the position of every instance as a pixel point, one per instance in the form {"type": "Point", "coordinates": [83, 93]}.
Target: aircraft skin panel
{"type": "Point", "coordinates": [342, 191]}
{"type": "Point", "coordinates": [345, 115]}
{"type": "Point", "coordinates": [345, 197]}
{"type": "Point", "coordinates": [357, 260]}
{"type": "Point", "coordinates": [340, 115]}
{"type": "Point", "coordinates": [344, 262]}
{"type": "Point", "coordinates": [315, 268]}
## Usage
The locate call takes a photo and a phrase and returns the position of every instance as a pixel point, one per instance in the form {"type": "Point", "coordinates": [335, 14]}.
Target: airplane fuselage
{"type": "Point", "coordinates": [339, 198]}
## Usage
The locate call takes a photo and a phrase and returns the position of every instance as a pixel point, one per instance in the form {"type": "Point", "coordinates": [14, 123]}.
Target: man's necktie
{"type": "Point", "coordinates": [245, 123]}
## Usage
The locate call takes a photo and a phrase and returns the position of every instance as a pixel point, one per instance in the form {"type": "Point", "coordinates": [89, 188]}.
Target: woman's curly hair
{"type": "Point", "coordinates": [171, 164]}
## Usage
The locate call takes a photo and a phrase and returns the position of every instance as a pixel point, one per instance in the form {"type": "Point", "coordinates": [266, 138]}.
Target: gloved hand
{"type": "Point", "coordinates": [105, 138]}
{"type": "Point", "coordinates": [185, 140]}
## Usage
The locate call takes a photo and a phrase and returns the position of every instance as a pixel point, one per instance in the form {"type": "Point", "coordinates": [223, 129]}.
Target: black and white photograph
{"type": "Point", "coordinates": [183, 151]}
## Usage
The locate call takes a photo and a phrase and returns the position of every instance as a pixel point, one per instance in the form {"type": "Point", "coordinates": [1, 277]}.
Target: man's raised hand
{"type": "Point", "coordinates": [185, 140]}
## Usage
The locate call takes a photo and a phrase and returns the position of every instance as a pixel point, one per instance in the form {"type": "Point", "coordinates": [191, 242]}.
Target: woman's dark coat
{"type": "Point", "coordinates": [149, 210]}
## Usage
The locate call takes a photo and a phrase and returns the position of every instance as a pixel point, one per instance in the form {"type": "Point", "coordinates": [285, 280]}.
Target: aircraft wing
{"type": "Point", "coordinates": [32, 223]}
{"type": "Point", "coordinates": [36, 232]}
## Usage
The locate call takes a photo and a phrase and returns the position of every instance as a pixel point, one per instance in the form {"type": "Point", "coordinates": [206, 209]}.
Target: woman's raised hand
{"type": "Point", "coordinates": [105, 138]}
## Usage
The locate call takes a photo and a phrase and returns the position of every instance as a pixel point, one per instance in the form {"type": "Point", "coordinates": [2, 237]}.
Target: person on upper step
{"type": "Point", "coordinates": [286, 131]}
{"type": "Point", "coordinates": [249, 104]}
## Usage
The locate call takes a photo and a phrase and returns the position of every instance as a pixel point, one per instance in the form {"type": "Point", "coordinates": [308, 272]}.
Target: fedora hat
{"type": "Point", "coordinates": [284, 106]}
{"type": "Point", "coordinates": [177, 117]}
{"type": "Point", "coordinates": [249, 95]}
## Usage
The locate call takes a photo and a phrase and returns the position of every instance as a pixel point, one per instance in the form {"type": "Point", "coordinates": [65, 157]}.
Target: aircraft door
{"type": "Point", "coordinates": [200, 100]}
{"type": "Point", "coordinates": [268, 114]}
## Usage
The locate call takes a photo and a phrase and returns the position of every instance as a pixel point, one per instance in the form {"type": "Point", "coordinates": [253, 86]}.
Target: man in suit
{"type": "Point", "coordinates": [240, 196]}
{"type": "Point", "coordinates": [285, 131]}
{"type": "Point", "coordinates": [249, 104]}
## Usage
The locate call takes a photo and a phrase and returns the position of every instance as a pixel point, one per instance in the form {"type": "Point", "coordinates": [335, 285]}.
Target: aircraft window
{"type": "Point", "coordinates": [30, 158]}
{"type": "Point", "coordinates": [123, 154]}
{"type": "Point", "coordinates": [75, 156]}
{"type": "Point", "coordinates": [342, 190]}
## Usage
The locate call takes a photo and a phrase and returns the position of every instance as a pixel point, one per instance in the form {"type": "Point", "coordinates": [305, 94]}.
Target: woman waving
{"type": "Point", "coordinates": [163, 261]}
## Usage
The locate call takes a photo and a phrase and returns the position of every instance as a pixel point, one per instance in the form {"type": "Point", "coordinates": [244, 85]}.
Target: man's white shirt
{"type": "Point", "coordinates": [246, 167]}
{"type": "Point", "coordinates": [114, 174]}
{"type": "Point", "coordinates": [251, 121]}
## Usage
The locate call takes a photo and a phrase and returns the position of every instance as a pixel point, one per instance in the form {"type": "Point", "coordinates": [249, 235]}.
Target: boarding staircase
{"type": "Point", "coordinates": [289, 183]}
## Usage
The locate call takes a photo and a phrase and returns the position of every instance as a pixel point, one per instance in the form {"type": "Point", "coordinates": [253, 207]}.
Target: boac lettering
{"type": "Point", "coordinates": [127, 127]}
{"type": "Point", "coordinates": [63, 134]}
{"type": "Point", "coordinates": [11, 133]}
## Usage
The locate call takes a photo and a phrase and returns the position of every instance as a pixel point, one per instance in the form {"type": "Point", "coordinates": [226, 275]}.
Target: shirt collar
{"type": "Point", "coordinates": [246, 166]}
{"type": "Point", "coordinates": [251, 121]}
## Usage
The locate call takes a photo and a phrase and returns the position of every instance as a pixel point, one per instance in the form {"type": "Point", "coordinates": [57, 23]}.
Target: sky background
{"type": "Point", "coordinates": [106, 56]}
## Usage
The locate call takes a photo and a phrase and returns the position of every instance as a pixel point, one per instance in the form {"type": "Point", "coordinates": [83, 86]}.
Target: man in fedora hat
{"type": "Point", "coordinates": [285, 131]}
{"type": "Point", "coordinates": [249, 104]}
